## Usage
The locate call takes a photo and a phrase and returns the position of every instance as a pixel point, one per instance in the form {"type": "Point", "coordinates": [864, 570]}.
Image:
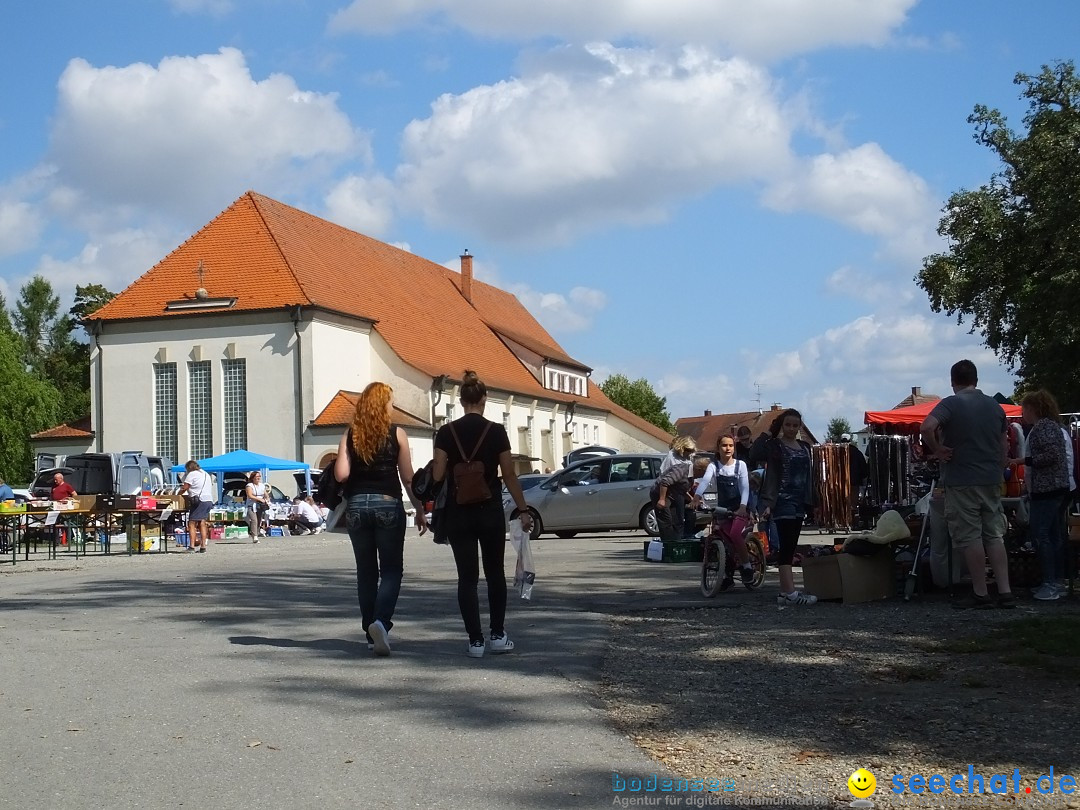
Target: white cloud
{"type": "Point", "coordinates": [20, 226]}
{"type": "Point", "coordinates": [112, 260]}
{"type": "Point", "coordinates": [215, 8]}
{"type": "Point", "coordinates": [558, 313]}
{"type": "Point", "coordinates": [617, 137]}
{"type": "Point", "coordinates": [871, 363]}
{"type": "Point", "coordinates": [865, 189]}
{"type": "Point", "coordinates": [364, 204]}
{"type": "Point", "coordinates": [186, 135]}
{"type": "Point", "coordinates": [762, 29]}
{"type": "Point", "coordinates": [880, 288]}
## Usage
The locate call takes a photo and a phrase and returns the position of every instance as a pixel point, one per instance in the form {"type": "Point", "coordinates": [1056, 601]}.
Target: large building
{"type": "Point", "coordinates": [257, 332]}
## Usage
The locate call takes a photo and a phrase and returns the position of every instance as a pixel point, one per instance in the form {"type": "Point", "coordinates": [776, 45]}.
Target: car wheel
{"type": "Point", "coordinates": [537, 526]}
{"type": "Point", "coordinates": [647, 521]}
{"type": "Point", "coordinates": [566, 535]}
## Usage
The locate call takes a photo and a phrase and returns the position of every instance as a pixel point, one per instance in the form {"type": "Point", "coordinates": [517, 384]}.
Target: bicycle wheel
{"type": "Point", "coordinates": [757, 560]}
{"type": "Point", "coordinates": [712, 569]}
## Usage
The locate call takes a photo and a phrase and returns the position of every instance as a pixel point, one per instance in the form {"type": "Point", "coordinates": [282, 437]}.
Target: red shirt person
{"type": "Point", "coordinates": [62, 490]}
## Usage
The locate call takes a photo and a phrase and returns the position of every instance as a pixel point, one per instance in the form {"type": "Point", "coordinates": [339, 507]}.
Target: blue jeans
{"type": "Point", "coordinates": [1044, 533]}
{"type": "Point", "coordinates": [377, 531]}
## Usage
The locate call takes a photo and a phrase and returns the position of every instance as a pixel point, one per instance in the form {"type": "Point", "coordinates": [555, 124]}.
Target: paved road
{"type": "Point", "coordinates": [239, 679]}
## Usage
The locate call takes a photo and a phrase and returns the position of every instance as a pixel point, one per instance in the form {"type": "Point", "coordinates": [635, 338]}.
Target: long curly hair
{"type": "Point", "coordinates": [371, 422]}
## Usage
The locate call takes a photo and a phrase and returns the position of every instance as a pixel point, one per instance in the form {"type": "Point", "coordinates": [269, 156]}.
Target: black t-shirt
{"type": "Point", "coordinates": [380, 477]}
{"type": "Point", "coordinates": [468, 429]}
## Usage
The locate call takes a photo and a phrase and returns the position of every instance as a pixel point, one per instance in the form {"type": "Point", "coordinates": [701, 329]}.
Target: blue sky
{"type": "Point", "coordinates": [712, 194]}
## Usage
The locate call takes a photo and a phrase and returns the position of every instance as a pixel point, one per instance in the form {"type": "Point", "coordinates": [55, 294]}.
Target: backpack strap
{"type": "Point", "coordinates": [479, 442]}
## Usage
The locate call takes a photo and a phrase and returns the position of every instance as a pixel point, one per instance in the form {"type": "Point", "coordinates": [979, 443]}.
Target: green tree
{"type": "Point", "coordinates": [5, 317]}
{"type": "Point", "coordinates": [28, 404]}
{"type": "Point", "coordinates": [50, 348]}
{"type": "Point", "coordinates": [89, 299]}
{"type": "Point", "coordinates": [640, 398]}
{"type": "Point", "coordinates": [1013, 260]}
{"type": "Point", "coordinates": [838, 426]}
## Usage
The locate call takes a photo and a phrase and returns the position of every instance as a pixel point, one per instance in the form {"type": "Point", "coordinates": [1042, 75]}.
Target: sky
{"type": "Point", "coordinates": [729, 199]}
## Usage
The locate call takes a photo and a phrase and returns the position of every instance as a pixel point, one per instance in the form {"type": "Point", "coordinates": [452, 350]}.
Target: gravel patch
{"type": "Point", "coordinates": [786, 704]}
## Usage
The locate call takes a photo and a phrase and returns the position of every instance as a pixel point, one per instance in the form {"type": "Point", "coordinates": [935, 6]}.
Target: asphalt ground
{"type": "Point", "coordinates": [240, 678]}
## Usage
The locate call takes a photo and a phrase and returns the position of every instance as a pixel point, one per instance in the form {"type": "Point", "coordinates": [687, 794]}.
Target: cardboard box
{"type": "Point", "coordinates": [849, 577]}
{"type": "Point", "coordinates": [87, 503]}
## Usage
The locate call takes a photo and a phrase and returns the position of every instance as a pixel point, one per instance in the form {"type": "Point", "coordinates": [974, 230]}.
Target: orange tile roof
{"type": "Point", "coordinates": [705, 430]}
{"type": "Point", "coordinates": [79, 429]}
{"type": "Point", "coordinates": [269, 255]}
{"type": "Point", "coordinates": [339, 412]}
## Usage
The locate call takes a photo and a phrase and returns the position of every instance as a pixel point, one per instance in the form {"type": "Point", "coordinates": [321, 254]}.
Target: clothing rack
{"type": "Point", "coordinates": [889, 458]}
{"type": "Point", "coordinates": [836, 494]}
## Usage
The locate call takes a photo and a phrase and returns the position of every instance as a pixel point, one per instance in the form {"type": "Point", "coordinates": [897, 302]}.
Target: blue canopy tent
{"type": "Point", "coordinates": [244, 460]}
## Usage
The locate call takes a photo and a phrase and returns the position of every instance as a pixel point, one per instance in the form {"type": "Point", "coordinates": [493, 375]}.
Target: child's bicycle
{"type": "Point", "coordinates": [718, 558]}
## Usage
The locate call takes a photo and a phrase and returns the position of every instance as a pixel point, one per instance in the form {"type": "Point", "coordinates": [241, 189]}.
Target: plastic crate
{"type": "Point", "coordinates": [677, 551]}
{"type": "Point", "coordinates": [276, 531]}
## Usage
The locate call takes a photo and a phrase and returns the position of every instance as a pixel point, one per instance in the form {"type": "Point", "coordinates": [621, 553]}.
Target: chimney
{"type": "Point", "coordinates": [708, 413]}
{"type": "Point", "coordinates": [775, 406]}
{"type": "Point", "coordinates": [466, 275]}
{"type": "Point", "coordinates": [916, 391]}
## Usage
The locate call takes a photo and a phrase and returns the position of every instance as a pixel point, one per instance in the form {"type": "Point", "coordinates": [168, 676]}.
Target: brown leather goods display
{"type": "Point", "coordinates": [470, 481]}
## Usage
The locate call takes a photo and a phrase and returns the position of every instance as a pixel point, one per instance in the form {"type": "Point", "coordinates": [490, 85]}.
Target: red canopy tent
{"type": "Point", "coordinates": [907, 420]}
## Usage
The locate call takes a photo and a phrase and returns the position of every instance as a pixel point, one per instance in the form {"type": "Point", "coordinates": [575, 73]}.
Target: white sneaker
{"type": "Point", "coordinates": [379, 638]}
{"type": "Point", "coordinates": [1046, 593]}
{"type": "Point", "coordinates": [795, 598]}
{"type": "Point", "coordinates": [476, 649]}
{"type": "Point", "coordinates": [500, 644]}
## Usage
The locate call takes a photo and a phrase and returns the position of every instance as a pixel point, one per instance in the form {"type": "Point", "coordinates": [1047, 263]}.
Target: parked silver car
{"type": "Point", "coordinates": [598, 494]}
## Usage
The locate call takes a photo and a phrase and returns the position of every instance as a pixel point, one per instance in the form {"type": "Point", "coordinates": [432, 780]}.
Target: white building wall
{"type": "Point", "coordinates": [340, 360]}
{"type": "Point", "coordinates": [129, 351]}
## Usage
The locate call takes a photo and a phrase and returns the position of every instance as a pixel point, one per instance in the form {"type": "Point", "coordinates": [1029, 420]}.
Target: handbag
{"type": "Point", "coordinates": [470, 479]}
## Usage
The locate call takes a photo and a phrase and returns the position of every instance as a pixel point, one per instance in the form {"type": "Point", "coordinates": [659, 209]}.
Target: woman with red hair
{"type": "Point", "coordinates": [373, 463]}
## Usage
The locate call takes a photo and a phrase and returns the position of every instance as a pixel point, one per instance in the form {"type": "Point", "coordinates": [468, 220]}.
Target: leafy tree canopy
{"type": "Point", "coordinates": [28, 404]}
{"type": "Point", "coordinates": [838, 426]}
{"type": "Point", "coordinates": [1013, 261]}
{"type": "Point", "coordinates": [638, 397]}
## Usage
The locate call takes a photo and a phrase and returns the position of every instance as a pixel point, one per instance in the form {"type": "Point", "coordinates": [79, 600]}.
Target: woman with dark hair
{"type": "Point", "coordinates": [786, 496]}
{"type": "Point", "coordinates": [257, 496]}
{"type": "Point", "coordinates": [374, 462]}
{"type": "Point", "coordinates": [1047, 481]}
{"type": "Point", "coordinates": [473, 520]}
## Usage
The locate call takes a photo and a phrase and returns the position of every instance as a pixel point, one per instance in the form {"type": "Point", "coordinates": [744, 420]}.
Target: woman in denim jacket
{"type": "Point", "coordinates": [1047, 483]}
{"type": "Point", "coordinates": [373, 463]}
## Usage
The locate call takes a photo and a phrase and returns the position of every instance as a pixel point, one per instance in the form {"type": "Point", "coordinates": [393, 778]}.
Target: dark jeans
{"type": "Point", "coordinates": [1044, 534]}
{"type": "Point", "coordinates": [307, 524]}
{"type": "Point", "coordinates": [377, 531]}
{"type": "Point", "coordinates": [788, 530]}
{"type": "Point", "coordinates": [666, 522]}
{"type": "Point", "coordinates": [482, 524]}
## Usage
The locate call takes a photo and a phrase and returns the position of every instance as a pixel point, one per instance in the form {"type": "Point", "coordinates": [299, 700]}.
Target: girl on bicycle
{"type": "Point", "coordinates": [786, 495]}
{"type": "Point", "coordinates": [732, 493]}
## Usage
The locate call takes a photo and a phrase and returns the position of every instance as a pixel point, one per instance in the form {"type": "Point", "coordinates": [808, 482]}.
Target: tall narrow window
{"type": "Point", "coordinates": [200, 410]}
{"type": "Point", "coordinates": [165, 443]}
{"type": "Point", "coordinates": [234, 396]}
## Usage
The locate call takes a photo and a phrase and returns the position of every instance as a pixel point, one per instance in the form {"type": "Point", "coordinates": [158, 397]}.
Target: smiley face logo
{"type": "Point", "coordinates": [862, 783]}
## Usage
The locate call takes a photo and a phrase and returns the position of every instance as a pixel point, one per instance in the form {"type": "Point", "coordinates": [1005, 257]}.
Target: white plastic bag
{"type": "Point", "coordinates": [525, 572]}
{"type": "Point", "coordinates": [656, 551]}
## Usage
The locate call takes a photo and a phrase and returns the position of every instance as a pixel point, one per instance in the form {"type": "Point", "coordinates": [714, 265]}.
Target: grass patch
{"type": "Point", "coordinates": [1048, 644]}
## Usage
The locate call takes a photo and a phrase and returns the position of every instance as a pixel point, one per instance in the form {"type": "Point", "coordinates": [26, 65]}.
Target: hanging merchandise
{"type": "Point", "coordinates": [837, 491]}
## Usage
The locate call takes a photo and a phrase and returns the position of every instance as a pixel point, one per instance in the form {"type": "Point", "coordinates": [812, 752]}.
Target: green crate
{"type": "Point", "coordinates": [677, 551]}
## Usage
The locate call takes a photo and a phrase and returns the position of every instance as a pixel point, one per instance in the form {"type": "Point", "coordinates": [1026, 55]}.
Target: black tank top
{"type": "Point", "coordinates": [380, 477]}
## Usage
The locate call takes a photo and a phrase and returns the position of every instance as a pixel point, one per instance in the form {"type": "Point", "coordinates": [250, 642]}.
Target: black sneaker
{"type": "Point", "coordinates": [726, 582]}
{"type": "Point", "coordinates": [974, 602]}
{"type": "Point", "coordinates": [1006, 601]}
{"type": "Point", "coordinates": [747, 575]}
